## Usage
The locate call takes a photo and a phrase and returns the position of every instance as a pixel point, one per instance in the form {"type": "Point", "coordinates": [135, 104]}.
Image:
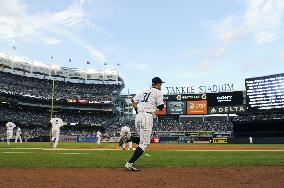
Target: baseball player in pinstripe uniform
{"type": "Point", "coordinates": [145, 106]}
{"type": "Point", "coordinates": [125, 134]}
{"type": "Point", "coordinates": [56, 123]}
{"type": "Point", "coordinates": [18, 135]}
{"type": "Point", "coordinates": [10, 126]}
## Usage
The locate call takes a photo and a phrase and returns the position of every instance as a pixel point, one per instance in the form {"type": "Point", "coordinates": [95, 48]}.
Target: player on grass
{"type": "Point", "coordinates": [56, 123]}
{"type": "Point", "coordinates": [145, 106]}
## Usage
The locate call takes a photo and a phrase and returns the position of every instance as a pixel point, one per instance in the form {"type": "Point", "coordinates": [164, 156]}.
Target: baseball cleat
{"type": "Point", "coordinates": [131, 167]}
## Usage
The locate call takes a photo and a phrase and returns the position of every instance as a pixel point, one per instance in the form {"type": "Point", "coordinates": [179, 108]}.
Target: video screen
{"type": "Point", "coordinates": [176, 107]}
{"type": "Point", "coordinates": [265, 93]}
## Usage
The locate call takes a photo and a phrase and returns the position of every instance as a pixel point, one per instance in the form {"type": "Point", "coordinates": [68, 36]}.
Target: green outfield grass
{"type": "Point", "coordinates": [31, 155]}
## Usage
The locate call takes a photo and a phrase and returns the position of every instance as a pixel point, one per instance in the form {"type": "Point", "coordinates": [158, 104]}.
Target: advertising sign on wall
{"type": "Point", "coordinates": [176, 107]}
{"type": "Point", "coordinates": [227, 109]}
{"type": "Point", "coordinates": [197, 107]}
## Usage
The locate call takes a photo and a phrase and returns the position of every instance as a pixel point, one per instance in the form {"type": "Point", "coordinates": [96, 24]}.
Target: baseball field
{"type": "Point", "coordinates": [168, 165]}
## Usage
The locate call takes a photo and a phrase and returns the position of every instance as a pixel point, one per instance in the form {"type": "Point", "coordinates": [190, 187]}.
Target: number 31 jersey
{"type": "Point", "coordinates": [149, 100]}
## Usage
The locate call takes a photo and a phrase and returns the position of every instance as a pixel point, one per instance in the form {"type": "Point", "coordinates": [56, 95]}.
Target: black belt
{"type": "Point", "coordinates": [150, 113]}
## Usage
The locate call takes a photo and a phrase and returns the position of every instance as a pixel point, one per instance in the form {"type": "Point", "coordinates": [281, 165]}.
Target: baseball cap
{"type": "Point", "coordinates": [157, 80]}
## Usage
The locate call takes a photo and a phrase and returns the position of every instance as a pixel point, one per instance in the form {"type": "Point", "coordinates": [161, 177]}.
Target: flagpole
{"type": "Point", "coordinates": [52, 100]}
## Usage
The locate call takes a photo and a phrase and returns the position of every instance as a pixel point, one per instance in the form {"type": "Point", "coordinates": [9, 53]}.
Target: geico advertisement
{"type": "Point", "coordinates": [176, 107]}
{"type": "Point", "coordinates": [197, 107]}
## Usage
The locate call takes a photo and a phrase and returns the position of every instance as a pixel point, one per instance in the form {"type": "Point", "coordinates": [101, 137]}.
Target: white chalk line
{"type": "Point", "coordinates": [106, 149]}
{"type": "Point", "coordinates": [8, 152]}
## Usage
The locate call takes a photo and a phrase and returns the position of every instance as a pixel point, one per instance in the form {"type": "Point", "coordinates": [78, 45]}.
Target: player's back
{"type": "Point", "coordinates": [56, 122]}
{"type": "Point", "coordinates": [19, 130]}
{"type": "Point", "coordinates": [10, 125]}
{"type": "Point", "coordinates": [125, 129]}
{"type": "Point", "coordinates": [148, 100]}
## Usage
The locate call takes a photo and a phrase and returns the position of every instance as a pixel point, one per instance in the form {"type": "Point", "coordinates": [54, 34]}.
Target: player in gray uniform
{"type": "Point", "coordinates": [145, 106]}
{"type": "Point", "coordinates": [10, 126]}
{"type": "Point", "coordinates": [55, 131]}
{"type": "Point", "coordinates": [125, 136]}
{"type": "Point", "coordinates": [18, 135]}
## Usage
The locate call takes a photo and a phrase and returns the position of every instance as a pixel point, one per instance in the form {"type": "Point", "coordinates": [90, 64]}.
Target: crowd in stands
{"type": "Point", "coordinates": [193, 126]}
{"type": "Point", "coordinates": [173, 125]}
{"type": "Point", "coordinates": [259, 117]}
{"type": "Point", "coordinates": [43, 117]}
{"type": "Point", "coordinates": [114, 128]}
{"type": "Point", "coordinates": [42, 89]}
{"type": "Point", "coordinates": [29, 133]}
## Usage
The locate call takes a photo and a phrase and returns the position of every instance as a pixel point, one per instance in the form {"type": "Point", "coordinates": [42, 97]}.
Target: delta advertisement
{"type": "Point", "coordinates": [227, 109]}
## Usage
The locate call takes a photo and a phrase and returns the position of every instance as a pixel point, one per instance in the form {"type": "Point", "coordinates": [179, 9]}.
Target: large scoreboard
{"type": "Point", "coordinates": [202, 104]}
{"type": "Point", "coordinates": [265, 93]}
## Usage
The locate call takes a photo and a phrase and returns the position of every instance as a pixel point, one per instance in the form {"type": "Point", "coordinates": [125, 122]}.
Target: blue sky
{"type": "Point", "coordinates": [185, 42]}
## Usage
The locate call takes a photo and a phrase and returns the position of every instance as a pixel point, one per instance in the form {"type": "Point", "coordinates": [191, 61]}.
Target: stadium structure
{"type": "Point", "coordinates": [87, 100]}
{"type": "Point", "coordinates": [90, 100]}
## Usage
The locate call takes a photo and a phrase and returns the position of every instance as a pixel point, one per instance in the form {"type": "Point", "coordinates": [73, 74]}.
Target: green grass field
{"type": "Point", "coordinates": [38, 155]}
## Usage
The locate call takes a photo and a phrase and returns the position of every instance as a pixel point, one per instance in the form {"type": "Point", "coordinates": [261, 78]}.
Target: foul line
{"type": "Point", "coordinates": [106, 149]}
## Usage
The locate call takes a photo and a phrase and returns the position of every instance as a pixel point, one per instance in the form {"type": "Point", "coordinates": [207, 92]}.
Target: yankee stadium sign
{"type": "Point", "coordinates": [201, 89]}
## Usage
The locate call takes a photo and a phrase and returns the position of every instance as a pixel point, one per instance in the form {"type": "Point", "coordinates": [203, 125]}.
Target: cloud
{"type": "Point", "coordinates": [17, 25]}
{"type": "Point", "coordinates": [213, 52]}
{"type": "Point", "coordinates": [281, 55]}
{"type": "Point", "coordinates": [246, 67]}
{"type": "Point", "coordinates": [262, 19]}
{"type": "Point", "coordinates": [194, 52]}
{"type": "Point", "coordinates": [138, 66]}
{"type": "Point", "coordinates": [112, 49]}
{"type": "Point", "coordinates": [12, 8]}
{"type": "Point", "coordinates": [51, 41]}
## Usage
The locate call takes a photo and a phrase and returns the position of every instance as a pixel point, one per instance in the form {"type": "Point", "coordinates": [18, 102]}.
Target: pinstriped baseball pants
{"type": "Point", "coordinates": [144, 121]}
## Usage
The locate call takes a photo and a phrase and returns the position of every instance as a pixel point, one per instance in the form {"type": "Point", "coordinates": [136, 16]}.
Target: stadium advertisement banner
{"type": "Point", "coordinates": [163, 112]}
{"type": "Point", "coordinates": [163, 134]}
{"type": "Point", "coordinates": [68, 139]}
{"type": "Point", "coordinates": [185, 97]}
{"type": "Point", "coordinates": [176, 107]}
{"type": "Point", "coordinates": [197, 107]}
{"type": "Point", "coordinates": [220, 140]}
{"type": "Point", "coordinates": [225, 98]}
{"type": "Point", "coordinates": [191, 133]}
{"type": "Point", "coordinates": [177, 134]}
{"type": "Point", "coordinates": [265, 93]}
{"type": "Point", "coordinates": [227, 109]}
{"type": "Point", "coordinates": [87, 139]}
